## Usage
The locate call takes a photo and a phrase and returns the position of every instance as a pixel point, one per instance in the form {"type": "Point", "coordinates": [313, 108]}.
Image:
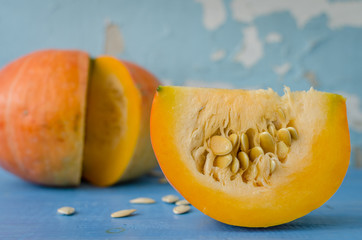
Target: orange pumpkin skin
{"type": "Point", "coordinates": [42, 102]}
{"type": "Point", "coordinates": [147, 85]}
{"type": "Point", "coordinates": [289, 196]}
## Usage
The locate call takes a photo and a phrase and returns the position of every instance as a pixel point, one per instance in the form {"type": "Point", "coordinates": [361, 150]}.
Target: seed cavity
{"type": "Point", "coordinates": [220, 145]}
{"type": "Point", "coordinates": [182, 202]}
{"type": "Point", "coordinates": [123, 213]}
{"type": "Point", "coordinates": [251, 155]}
{"type": "Point", "coordinates": [170, 198]}
{"type": "Point", "coordinates": [181, 209]}
{"type": "Point", "coordinates": [66, 210]}
{"type": "Point", "coordinates": [142, 200]}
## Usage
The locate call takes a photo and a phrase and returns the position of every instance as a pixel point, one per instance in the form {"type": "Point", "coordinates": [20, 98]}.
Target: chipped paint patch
{"type": "Point", "coordinates": [252, 49]}
{"type": "Point", "coordinates": [114, 44]}
{"type": "Point", "coordinates": [339, 14]}
{"type": "Point", "coordinates": [217, 55]}
{"type": "Point", "coordinates": [282, 69]}
{"type": "Point", "coordinates": [214, 13]}
{"type": "Point", "coordinates": [202, 83]}
{"type": "Point", "coordinates": [273, 37]}
{"type": "Point", "coordinates": [311, 78]}
{"type": "Point", "coordinates": [166, 82]}
{"type": "Point", "coordinates": [354, 111]}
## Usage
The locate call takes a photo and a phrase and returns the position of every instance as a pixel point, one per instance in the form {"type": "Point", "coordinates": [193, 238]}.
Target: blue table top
{"type": "Point", "coordinates": [30, 212]}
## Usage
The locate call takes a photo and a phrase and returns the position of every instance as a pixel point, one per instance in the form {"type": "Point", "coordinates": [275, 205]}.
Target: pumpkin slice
{"type": "Point", "coordinates": [251, 158]}
{"type": "Point", "coordinates": [117, 143]}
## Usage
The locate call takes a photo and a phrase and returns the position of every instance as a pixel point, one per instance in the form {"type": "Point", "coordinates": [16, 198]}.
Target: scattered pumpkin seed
{"type": "Point", "coordinates": [182, 202]}
{"type": "Point", "coordinates": [162, 180]}
{"type": "Point", "coordinates": [220, 145]}
{"type": "Point", "coordinates": [170, 198]}
{"type": "Point", "coordinates": [181, 209]}
{"type": "Point", "coordinates": [142, 200]}
{"type": "Point", "coordinates": [66, 210]}
{"type": "Point", "coordinates": [123, 213]}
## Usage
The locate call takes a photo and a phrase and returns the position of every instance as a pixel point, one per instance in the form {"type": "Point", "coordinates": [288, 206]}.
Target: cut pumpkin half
{"type": "Point", "coordinates": [251, 157]}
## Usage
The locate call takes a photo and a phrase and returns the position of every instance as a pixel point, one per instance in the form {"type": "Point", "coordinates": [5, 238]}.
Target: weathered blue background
{"type": "Point", "coordinates": [216, 43]}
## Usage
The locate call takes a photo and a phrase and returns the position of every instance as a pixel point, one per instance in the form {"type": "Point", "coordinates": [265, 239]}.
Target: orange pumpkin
{"type": "Point", "coordinates": [251, 158]}
{"type": "Point", "coordinates": [57, 111]}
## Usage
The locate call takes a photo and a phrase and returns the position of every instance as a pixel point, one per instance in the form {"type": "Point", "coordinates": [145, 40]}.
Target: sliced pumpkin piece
{"type": "Point", "coordinates": [117, 143]}
{"type": "Point", "coordinates": [292, 155]}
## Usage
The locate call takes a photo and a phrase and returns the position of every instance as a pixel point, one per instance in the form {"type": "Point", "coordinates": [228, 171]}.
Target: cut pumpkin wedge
{"type": "Point", "coordinates": [251, 158]}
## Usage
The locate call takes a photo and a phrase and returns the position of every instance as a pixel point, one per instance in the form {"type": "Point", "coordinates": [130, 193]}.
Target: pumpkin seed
{"type": "Point", "coordinates": [66, 210]}
{"type": "Point", "coordinates": [170, 198]}
{"type": "Point", "coordinates": [235, 165]}
{"type": "Point", "coordinates": [293, 133]}
{"type": "Point", "coordinates": [271, 129]}
{"type": "Point", "coordinates": [123, 213]}
{"type": "Point", "coordinates": [182, 202]}
{"type": "Point", "coordinates": [233, 138]}
{"type": "Point", "coordinates": [281, 114]}
{"type": "Point", "coordinates": [244, 142]}
{"type": "Point", "coordinates": [223, 161]}
{"type": "Point", "coordinates": [282, 150]}
{"type": "Point", "coordinates": [244, 160]}
{"type": "Point", "coordinates": [142, 200]}
{"type": "Point", "coordinates": [267, 142]}
{"type": "Point", "coordinates": [256, 152]}
{"type": "Point", "coordinates": [284, 135]}
{"type": "Point", "coordinates": [220, 145]}
{"type": "Point", "coordinates": [162, 180]}
{"type": "Point", "coordinates": [272, 165]}
{"type": "Point", "coordinates": [181, 209]}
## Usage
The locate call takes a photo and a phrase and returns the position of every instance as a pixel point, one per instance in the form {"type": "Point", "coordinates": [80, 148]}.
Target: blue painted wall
{"type": "Point", "coordinates": [220, 43]}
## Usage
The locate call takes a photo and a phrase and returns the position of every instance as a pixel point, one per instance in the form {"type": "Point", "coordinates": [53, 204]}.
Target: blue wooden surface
{"type": "Point", "coordinates": [29, 212]}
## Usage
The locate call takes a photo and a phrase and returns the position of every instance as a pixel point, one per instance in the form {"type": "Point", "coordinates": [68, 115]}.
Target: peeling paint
{"type": "Point", "coordinates": [354, 111]}
{"type": "Point", "coordinates": [214, 13]}
{"type": "Point", "coordinates": [166, 82]}
{"type": "Point", "coordinates": [252, 49]}
{"type": "Point", "coordinates": [217, 55]}
{"type": "Point", "coordinates": [283, 69]}
{"type": "Point", "coordinates": [311, 78]}
{"type": "Point", "coordinates": [208, 84]}
{"type": "Point", "coordinates": [114, 44]}
{"type": "Point", "coordinates": [339, 14]}
{"type": "Point", "coordinates": [273, 37]}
